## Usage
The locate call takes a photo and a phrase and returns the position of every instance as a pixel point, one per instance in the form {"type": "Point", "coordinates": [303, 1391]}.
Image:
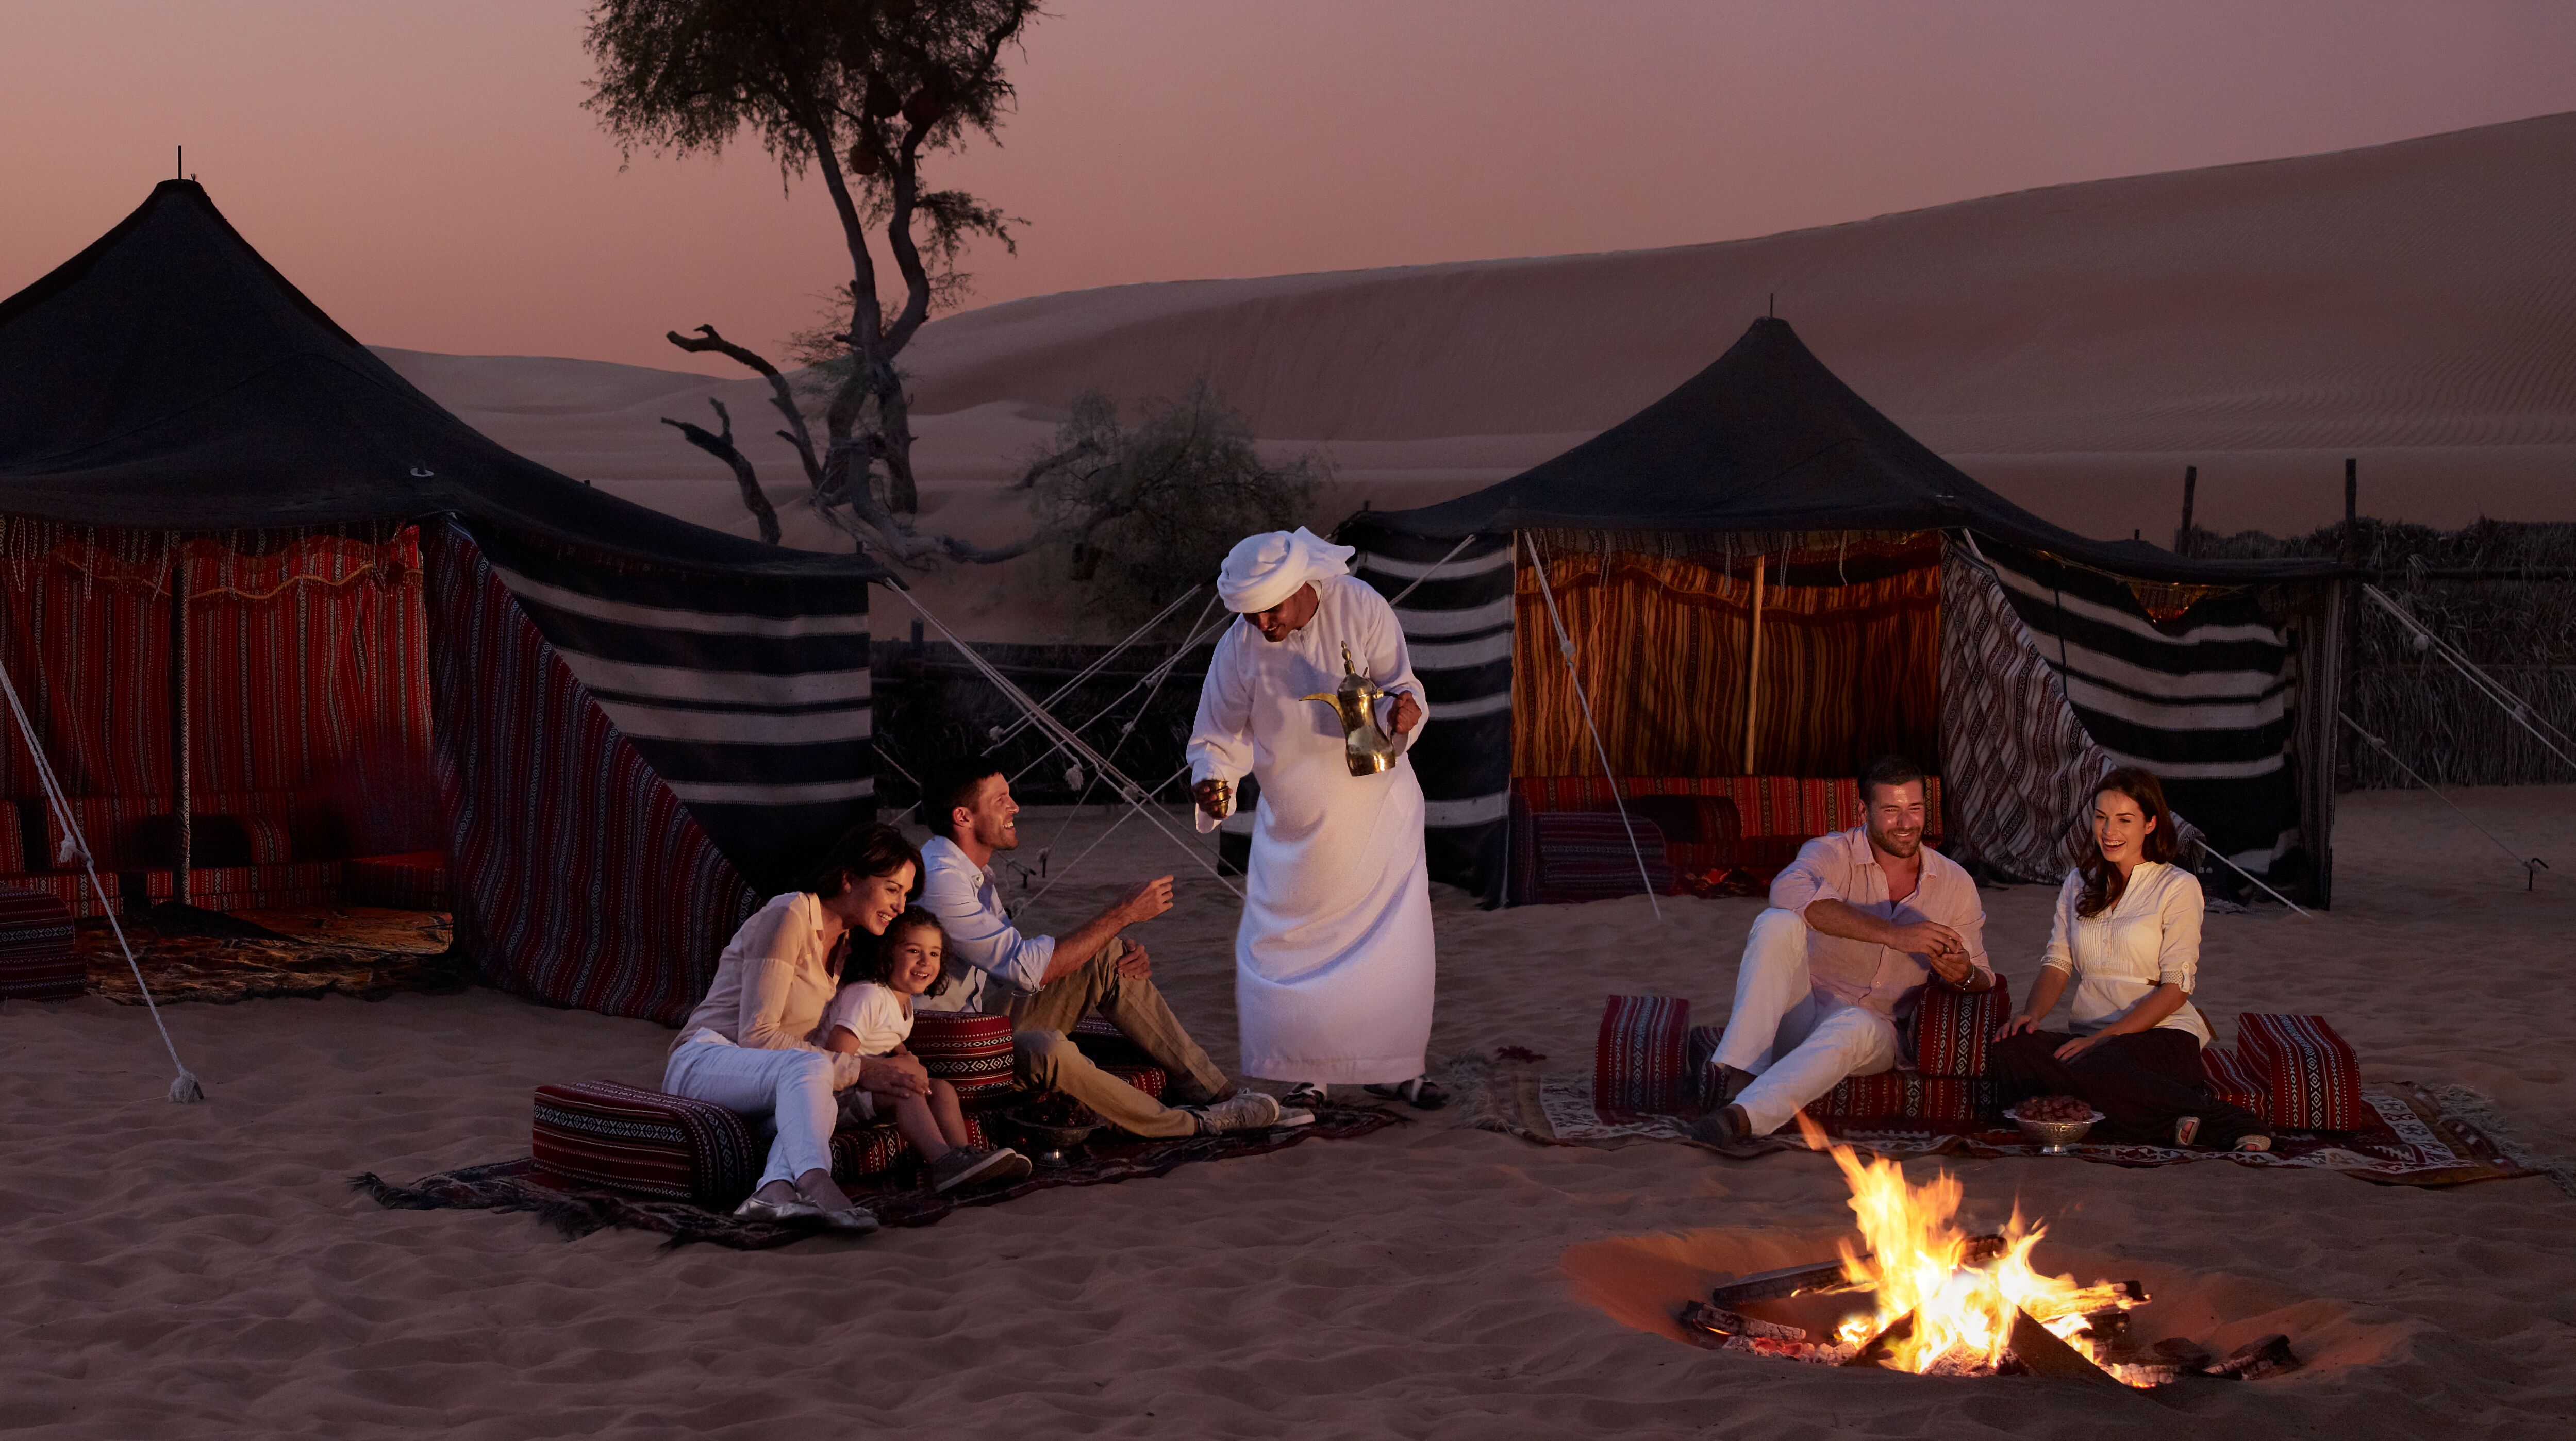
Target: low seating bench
{"type": "Point", "coordinates": [617, 1137]}
{"type": "Point", "coordinates": [2294, 1071]}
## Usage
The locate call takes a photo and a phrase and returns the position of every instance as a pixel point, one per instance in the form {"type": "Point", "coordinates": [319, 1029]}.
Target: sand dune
{"type": "Point", "coordinates": [2074, 347]}
{"type": "Point", "coordinates": [205, 1270]}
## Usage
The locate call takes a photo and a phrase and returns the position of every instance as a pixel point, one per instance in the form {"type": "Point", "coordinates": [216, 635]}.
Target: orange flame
{"type": "Point", "coordinates": [1917, 1262]}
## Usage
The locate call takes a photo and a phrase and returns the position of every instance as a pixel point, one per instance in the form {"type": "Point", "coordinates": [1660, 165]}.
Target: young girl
{"type": "Point", "coordinates": [872, 1016]}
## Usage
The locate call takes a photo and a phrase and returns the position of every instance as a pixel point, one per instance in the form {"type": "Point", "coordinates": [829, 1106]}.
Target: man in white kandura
{"type": "Point", "coordinates": [1333, 960]}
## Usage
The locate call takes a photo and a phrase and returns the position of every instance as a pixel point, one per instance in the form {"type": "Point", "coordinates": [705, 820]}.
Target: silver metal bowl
{"type": "Point", "coordinates": [2053, 1136]}
{"type": "Point", "coordinates": [1055, 1144]}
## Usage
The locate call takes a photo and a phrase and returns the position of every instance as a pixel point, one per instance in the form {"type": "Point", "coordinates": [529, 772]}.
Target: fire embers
{"type": "Point", "coordinates": [1924, 1296]}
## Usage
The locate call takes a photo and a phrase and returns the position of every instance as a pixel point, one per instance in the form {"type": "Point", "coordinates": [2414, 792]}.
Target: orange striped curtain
{"type": "Point", "coordinates": [1848, 672]}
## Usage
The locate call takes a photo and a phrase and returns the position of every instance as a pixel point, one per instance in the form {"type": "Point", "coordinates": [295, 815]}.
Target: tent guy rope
{"type": "Point", "coordinates": [1565, 647]}
{"type": "Point", "coordinates": [1115, 651]}
{"type": "Point", "coordinates": [1137, 797]}
{"type": "Point", "coordinates": [184, 1087]}
{"type": "Point", "coordinates": [2515, 707]}
{"type": "Point", "coordinates": [1162, 673]}
{"type": "Point", "coordinates": [2532, 866]}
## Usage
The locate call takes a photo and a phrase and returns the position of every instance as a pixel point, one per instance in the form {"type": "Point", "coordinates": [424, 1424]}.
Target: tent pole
{"type": "Point", "coordinates": [1753, 661]}
{"type": "Point", "coordinates": [1565, 647]}
{"type": "Point", "coordinates": [183, 799]}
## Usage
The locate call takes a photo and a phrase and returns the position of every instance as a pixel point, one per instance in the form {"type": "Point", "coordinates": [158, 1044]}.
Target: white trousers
{"type": "Point", "coordinates": [792, 1088]}
{"type": "Point", "coordinates": [1800, 1041]}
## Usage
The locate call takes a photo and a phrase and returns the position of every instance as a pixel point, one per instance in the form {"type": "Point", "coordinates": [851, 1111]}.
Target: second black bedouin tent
{"type": "Point", "coordinates": [1760, 575]}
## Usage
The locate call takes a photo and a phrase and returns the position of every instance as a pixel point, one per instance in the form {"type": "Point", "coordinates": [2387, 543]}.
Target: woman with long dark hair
{"type": "Point", "coordinates": [2127, 944]}
{"type": "Point", "coordinates": [750, 1045]}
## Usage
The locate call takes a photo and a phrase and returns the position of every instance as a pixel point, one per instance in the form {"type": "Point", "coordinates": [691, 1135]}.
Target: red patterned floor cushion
{"type": "Point", "coordinates": [72, 888]}
{"type": "Point", "coordinates": [1148, 1079]}
{"type": "Point", "coordinates": [2230, 1081]}
{"type": "Point", "coordinates": [416, 881]}
{"type": "Point", "coordinates": [600, 1133]}
{"type": "Point", "coordinates": [875, 1152]}
{"type": "Point", "coordinates": [1699, 1057]}
{"type": "Point", "coordinates": [36, 958]}
{"type": "Point", "coordinates": [1952, 1027]}
{"type": "Point", "coordinates": [1771, 815]}
{"type": "Point", "coordinates": [1641, 1061]}
{"type": "Point", "coordinates": [2311, 1076]}
{"type": "Point", "coordinates": [245, 888]}
{"type": "Point", "coordinates": [1592, 856]}
{"type": "Point", "coordinates": [967, 1049]}
{"type": "Point", "coordinates": [1098, 1038]}
{"type": "Point", "coordinates": [1892, 1096]}
{"type": "Point", "coordinates": [861, 1153]}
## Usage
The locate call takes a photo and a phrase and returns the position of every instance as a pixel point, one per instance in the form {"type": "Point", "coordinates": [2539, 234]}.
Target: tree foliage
{"type": "Point", "coordinates": [1138, 516]}
{"type": "Point", "coordinates": [856, 93]}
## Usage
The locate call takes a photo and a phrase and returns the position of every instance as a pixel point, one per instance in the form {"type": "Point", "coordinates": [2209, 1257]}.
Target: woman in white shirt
{"type": "Point", "coordinates": [2127, 943]}
{"type": "Point", "coordinates": [750, 1045]}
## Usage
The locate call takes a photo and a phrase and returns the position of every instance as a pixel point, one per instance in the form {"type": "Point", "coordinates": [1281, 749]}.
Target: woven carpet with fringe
{"type": "Point", "coordinates": [2412, 1135]}
{"type": "Point", "coordinates": [517, 1186]}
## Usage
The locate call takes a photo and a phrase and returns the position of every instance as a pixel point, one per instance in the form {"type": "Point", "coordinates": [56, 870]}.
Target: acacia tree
{"type": "Point", "coordinates": [857, 92]}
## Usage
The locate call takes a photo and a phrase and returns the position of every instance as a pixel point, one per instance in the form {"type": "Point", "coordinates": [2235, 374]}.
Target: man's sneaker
{"type": "Point", "coordinates": [974, 1165]}
{"type": "Point", "coordinates": [1242, 1111]}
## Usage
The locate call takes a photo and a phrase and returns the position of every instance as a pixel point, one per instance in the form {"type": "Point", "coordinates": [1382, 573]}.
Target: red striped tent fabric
{"type": "Point", "coordinates": [579, 877]}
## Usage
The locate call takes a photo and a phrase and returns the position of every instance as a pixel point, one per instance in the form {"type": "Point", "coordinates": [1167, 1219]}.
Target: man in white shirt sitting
{"type": "Point", "coordinates": [1858, 925]}
{"type": "Point", "coordinates": [1046, 984]}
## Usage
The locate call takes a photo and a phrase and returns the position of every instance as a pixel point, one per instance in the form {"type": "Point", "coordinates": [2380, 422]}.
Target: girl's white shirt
{"type": "Point", "coordinates": [879, 1016]}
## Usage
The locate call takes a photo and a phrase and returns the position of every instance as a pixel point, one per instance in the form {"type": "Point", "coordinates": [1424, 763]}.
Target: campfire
{"type": "Point", "coordinates": [1926, 1297]}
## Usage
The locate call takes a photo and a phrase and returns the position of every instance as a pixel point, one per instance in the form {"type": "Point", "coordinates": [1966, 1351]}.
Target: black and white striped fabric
{"type": "Point", "coordinates": [2203, 700]}
{"type": "Point", "coordinates": [749, 696]}
{"type": "Point", "coordinates": [1457, 619]}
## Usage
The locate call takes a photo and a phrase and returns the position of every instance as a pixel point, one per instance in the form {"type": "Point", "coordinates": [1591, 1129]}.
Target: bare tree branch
{"type": "Point", "coordinates": [781, 395]}
{"type": "Point", "coordinates": [722, 448]}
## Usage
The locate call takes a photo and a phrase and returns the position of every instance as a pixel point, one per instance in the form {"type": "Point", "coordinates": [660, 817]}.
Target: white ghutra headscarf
{"type": "Point", "coordinates": [1263, 570]}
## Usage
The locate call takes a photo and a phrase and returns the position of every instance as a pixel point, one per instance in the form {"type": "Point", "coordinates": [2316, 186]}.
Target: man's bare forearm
{"type": "Point", "coordinates": [1850, 923]}
{"type": "Point", "coordinates": [1075, 948]}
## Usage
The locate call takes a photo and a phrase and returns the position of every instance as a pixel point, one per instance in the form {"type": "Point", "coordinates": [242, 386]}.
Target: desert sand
{"type": "Point", "coordinates": [2072, 347]}
{"type": "Point", "coordinates": [206, 1271]}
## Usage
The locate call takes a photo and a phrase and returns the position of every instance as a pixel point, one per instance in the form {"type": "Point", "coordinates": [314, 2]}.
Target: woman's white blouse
{"type": "Point", "coordinates": [2118, 958]}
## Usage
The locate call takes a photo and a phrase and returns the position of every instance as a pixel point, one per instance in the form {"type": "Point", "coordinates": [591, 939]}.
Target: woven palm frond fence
{"type": "Point", "coordinates": [2516, 619]}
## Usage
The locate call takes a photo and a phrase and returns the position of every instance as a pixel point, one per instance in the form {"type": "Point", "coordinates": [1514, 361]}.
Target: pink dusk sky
{"type": "Point", "coordinates": [426, 173]}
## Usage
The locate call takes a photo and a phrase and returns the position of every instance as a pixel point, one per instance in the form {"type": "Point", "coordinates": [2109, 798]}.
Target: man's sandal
{"type": "Point", "coordinates": [1421, 1093]}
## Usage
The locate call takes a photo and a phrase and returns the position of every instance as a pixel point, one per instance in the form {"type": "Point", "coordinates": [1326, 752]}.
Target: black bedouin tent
{"type": "Point", "coordinates": [2055, 654]}
{"type": "Point", "coordinates": [632, 724]}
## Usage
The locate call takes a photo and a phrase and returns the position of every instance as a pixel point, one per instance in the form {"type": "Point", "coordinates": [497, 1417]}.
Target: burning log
{"type": "Point", "coordinates": [2257, 1359]}
{"type": "Point", "coordinates": [1828, 1276]}
{"type": "Point", "coordinates": [2040, 1351]}
{"type": "Point", "coordinates": [1734, 1323]}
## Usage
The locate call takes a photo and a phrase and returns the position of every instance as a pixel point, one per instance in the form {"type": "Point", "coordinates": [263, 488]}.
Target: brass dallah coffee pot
{"type": "Point", "coordinates": [1365, 747]}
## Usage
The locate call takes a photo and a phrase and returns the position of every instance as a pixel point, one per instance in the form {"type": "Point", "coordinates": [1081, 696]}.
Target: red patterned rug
{"type": "Point", "coordinates": [360, 951]}
{"type": "Point", "coordinates": [2410, 1135]}
{"type": "Point", "coordinates": [517, 1186]}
